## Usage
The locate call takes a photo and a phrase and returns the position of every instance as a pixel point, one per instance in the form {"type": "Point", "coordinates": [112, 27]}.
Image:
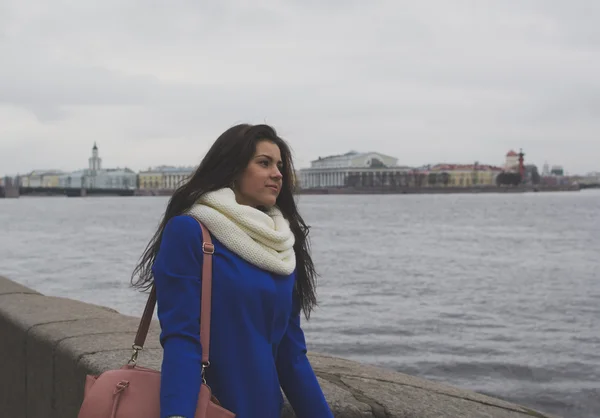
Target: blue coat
{"type": "Point", "coordinates": [257, 344]}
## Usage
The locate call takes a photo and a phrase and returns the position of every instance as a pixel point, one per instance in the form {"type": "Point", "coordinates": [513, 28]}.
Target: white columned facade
{"type": "Point", "coordinates": [334, 170]}
{"type": "Point", "coordinates": [327, 177]}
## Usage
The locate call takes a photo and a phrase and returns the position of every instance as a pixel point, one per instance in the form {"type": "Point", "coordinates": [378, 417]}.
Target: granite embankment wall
{"type": "Point", "coordinates": [49, 344]}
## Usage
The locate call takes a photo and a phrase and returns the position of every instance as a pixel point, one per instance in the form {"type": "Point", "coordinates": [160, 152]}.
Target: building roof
{"type": "Point", "coordinates": [338, 156]}
{"type": "Point", "coordinates": [44, 173]}
{"type": "Point", "coordinates": [512, 153]}
{"type": "Point", "coordinates": [349, 154]}
{"type": "Point", "coordinates": [117, 170]}
{"type": "Point", "coordinates": [168, 169]}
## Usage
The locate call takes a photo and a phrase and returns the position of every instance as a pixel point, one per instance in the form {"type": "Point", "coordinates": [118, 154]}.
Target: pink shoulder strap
{"type": "Point", "coordinates": [208, 249]}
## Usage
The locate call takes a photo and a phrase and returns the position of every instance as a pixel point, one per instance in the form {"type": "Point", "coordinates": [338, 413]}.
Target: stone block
{"type": "Point", "coordinates": [69, 381]}
{"type": "Point", "coordinates": [411, 402]}
{"type": "Point", "coordinates": [31, 310]}
{"type": "Point", "coordinates": [341, 401]}
{"type": "Point", "coordinates": [108, 360]}
{"type": "Point", "coordinates": [393, 394]}
{"type": "Point", "coordinates": [8, 286]}
{"type": "Point", "coordinates": [79, 346]}
{"type": "Point", "coordinates": [341, 367]}
{"type": "Point", "coordinates": [33, 352]}
{"type": "Point", "coordinates": [13, 366]}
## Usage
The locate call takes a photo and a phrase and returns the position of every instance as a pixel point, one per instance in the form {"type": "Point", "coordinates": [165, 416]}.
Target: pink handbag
{"type": "Point", "coordinates": [133, 391]}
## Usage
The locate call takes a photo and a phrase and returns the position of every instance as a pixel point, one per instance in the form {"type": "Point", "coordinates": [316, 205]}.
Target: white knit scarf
{"type": "Point", "coordinates": [261, 238]}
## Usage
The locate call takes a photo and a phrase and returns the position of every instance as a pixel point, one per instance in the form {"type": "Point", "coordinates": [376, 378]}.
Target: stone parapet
{"type": "Point", "coordinates": [49, 344]}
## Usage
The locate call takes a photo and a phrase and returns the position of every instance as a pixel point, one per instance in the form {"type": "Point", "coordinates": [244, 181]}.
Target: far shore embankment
{"type": "Point", "coordinates": [374, 190]}
{"type": "Point", "coordinates": [438, 190]}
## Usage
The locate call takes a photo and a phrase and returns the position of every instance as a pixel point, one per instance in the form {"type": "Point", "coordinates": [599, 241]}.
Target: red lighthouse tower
{"type": "Point", "coordinates": [521, 165]}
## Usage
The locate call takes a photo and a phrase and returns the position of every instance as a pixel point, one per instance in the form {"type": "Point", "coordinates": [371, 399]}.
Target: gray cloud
{"type": "Point", "coordinates": [425, 81]}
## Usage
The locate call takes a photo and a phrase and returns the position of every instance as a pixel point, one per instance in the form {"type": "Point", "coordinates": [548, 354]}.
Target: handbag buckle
{"type": "Point", "coordinates": [208, 248]}
{"type": "Point", "coordinates": [203, 372]}
{"type": "Point", "coordinates": [134, 355]}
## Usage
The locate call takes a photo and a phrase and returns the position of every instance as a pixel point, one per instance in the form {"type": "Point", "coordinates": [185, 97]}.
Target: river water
{"type": "Point", "coordinates": [495, 293]}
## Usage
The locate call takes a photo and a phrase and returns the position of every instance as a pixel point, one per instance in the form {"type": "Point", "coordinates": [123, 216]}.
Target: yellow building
{"type": "Point", "coordinates": [164, 177]}
{"type": "Point", "coordinates": [464, 175]}
{"type": "Point", "coordinates": [151, 180]}
{"type": "Point", "coordinates": [41, 178]}
{"type": "Point", "coordinates": [50, 180]}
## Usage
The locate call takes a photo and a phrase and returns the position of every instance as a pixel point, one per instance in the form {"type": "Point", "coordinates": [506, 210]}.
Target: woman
{"type": "Point", "coordinates": [263, 276]}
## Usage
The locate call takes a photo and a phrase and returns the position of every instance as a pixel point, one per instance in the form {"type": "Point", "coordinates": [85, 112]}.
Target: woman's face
{"type": "Point", "coordinates": [261, 181]}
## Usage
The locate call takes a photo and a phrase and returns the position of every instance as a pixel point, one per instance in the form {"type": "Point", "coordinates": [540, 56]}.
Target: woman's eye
{"type": "Point", "coordinates": [264, 163]}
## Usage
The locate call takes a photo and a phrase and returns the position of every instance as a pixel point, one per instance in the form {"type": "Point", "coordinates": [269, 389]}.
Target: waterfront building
{"type": "Point", "coordinates": [546, 169]}
{"type": "Point", "coordinates": [150, 179]}
{"type": "Point", "coordinates": [75, 179]}
{"type": "Point", "coordinates": [116, 178]}
{"type": "Point", "coordinates": [557, 170]}
{"type": "Point", "coordinates": [96, 177]}
{"type": "Point", "coordinates": [594, 176]}
{"type": "Point", "coordinates": [555, 176]}
{"type": "Point", "coordinates": [531, 174]}
{"type": "Point", "coordinates": [353, 169]}
{"type": "Point", "coordinates": [512, 161]}
{"type": "Point", "coordinates": [95, 162]}
{"type": "Point", "coordinates": [164, 177]}
{"type": "Point", "coordinates": [41, 178]}
{"type": "Point", "coordinates": [462, 175]}
{"type": "Point", "coordinates": [590, 179]}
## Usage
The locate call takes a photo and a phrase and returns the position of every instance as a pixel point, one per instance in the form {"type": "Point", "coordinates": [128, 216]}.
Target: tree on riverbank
{"type": "Point", "coordinates": [508, 179]}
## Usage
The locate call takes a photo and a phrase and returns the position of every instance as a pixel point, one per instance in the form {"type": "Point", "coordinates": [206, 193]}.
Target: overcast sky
{"type": "Point", "coordinates": [155, 82]}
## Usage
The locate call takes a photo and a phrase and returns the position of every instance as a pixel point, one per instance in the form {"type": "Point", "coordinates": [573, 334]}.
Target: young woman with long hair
{"type": "Point", "coordinates": [263, 279]}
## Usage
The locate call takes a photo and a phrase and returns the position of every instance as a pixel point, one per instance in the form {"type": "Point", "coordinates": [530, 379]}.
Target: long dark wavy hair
{"type": "Point", "coordinates": [224, 163]}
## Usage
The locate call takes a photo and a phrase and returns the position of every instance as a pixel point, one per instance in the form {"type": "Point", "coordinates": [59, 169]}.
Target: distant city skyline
{"type": "Point", "coordinates": [427, 82]}
{"type": "Point", "coordinates": [96, 150]}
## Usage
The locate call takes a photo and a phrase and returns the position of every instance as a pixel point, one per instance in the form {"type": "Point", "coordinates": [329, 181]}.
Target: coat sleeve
{"type": "Point", "coordinates": [296, 374]}
{"type": "Point", "coordinates": [177, 277]}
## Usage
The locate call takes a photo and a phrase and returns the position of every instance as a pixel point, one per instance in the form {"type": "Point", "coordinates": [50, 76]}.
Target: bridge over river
{"type": "Point", "coordinates": [10, 191]}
